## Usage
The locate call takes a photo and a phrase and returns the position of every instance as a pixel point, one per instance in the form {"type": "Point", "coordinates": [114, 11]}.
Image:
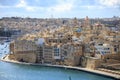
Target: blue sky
{"type": "Point", "coordinates": [59, 8]}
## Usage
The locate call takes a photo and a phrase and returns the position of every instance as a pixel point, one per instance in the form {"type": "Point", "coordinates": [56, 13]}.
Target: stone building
{"type": "Point", "coordinates": [71, 53]}
{"type": "Point", "coordinates": [93, 62]}
{"type": "Point", "coordinates": [40, 42]}
{"type": "Point", "coordinates": [57, 53]}
{"type": "Point", "coordinates": [62, 39]}
{"type": "Point", "coordinates": [24, 51]}
{"type": "Point", "coordinates": [48, 54]}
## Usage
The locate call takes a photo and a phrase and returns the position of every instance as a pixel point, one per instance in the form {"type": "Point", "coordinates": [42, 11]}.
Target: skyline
{"type": "Point", "coordinates": [59, 8]}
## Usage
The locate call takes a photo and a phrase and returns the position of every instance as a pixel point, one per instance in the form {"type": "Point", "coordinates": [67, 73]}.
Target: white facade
{"type": "Point", "coordinates": [103, 48]}
{"type": "Point", "coordinates": [57, 52]}
{"type": "Point", "coordinates": [40, 41]}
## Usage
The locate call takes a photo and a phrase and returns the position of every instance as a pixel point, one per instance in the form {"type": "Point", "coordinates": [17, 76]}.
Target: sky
{"type": "Point", "coordinates": [59, 8]}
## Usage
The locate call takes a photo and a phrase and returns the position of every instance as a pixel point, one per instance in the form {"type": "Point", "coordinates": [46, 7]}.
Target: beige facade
{"type": "Point", "coordinates": [111, 61]}
{"type": "Point", "coordinates": [27, 57]}
{"type": "Point", "coordinates": [48, 54]}
{"type": "Point", "coordinates": [72, 54]}
{"type": "Point", "coordinates": [65, 39]}
{"type": "Point", "coordinates": [92, 63]}
{"type": "Point", "coordinates": [39, 54]}
{"type": "Point", "coordinates": [24, 50]}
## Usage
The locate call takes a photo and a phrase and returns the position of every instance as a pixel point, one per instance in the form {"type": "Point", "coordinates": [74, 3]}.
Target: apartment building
{"type": "Point", "coordinates": [24, 50]}
{"type": "Point", "coordinates": [48, 54]}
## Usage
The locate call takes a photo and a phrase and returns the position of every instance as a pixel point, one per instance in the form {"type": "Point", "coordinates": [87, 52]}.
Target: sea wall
{"type": "Point", "coordinates": [26, 58]}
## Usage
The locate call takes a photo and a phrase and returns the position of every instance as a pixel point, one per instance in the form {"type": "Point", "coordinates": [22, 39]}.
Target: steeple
{"type": "Point", "coordinates": [86, 21]}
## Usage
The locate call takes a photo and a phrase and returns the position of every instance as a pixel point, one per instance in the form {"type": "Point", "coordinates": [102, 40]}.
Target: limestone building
{"type": "Point", "coordinates": [24, 50]}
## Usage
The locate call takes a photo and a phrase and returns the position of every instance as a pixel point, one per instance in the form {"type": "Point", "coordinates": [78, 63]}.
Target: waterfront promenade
{"type": "Point", "coordinates": [116, 76]}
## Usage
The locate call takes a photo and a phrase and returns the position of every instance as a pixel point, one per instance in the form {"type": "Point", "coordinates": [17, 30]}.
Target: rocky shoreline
{"type": "Point", "coordinates": [116, 77]}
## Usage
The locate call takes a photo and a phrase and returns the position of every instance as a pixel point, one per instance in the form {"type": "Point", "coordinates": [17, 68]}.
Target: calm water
{"type": "Point", "coordinates": [10, 71]}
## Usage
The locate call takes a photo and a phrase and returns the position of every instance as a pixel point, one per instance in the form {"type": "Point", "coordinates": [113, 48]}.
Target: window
{"type": "Point", "coordinates": [100, 44]}
{"type": "Point", "coordinates": [56, 51]}
{"type": "Point", "coordinates": [106, 48]}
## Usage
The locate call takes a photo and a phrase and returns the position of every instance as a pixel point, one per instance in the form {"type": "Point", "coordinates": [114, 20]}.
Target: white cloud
{"type": "Point", "coordinates": [93, 7]}
{"type": "Point", "coordinates": [23, 4]}
{"type": "Point", "coordinates": [109, 3]}
{"type": "Point", "coordinates": [1, 6]}
{"type": "Point", "coordinates": [102, 4]}
{"type": "Point", "coordinates": [65, 5]}
{"type": "Point", "coordinates": [62, 6]}
{"type": "Point", "coordinates": [37, 0]}
{"type": "Point", "coordinates": [30, 8]}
